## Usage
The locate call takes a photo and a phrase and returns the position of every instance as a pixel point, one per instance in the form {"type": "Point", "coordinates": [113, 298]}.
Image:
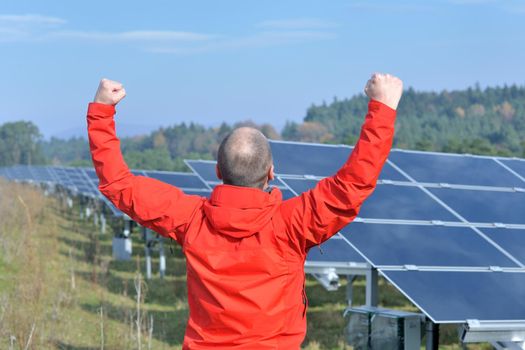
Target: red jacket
{"type": "Point", "coordinates": [245, 248]}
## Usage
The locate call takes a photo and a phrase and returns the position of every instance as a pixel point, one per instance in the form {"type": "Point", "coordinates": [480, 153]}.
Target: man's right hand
{"type": "Point", "coordinates": [109, 92]}
{"type": "Point", "coordinates": [385, 88]}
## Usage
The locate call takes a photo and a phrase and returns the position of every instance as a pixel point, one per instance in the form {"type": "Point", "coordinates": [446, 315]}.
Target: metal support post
{"type": "Point", "coordinates": [127, 228]}
{"type": "Point", "coordinates": [350, 288]}
{"type": "Point", "coordinates": [162, 259]}
{"type": "Point", "coordinates": [102, 224]}
{"type": "Point", "coordinates": [147, 250]}
{"type": "Point", "coordinates": [372, 287]}
{"type": "Point", "coordinates": [432, 334]}
{"type": "Point", "coordinates": [148, 261]}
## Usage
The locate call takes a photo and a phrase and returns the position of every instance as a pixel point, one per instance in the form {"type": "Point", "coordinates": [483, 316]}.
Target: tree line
{"type": "Point", "coordinates": [487, 121]}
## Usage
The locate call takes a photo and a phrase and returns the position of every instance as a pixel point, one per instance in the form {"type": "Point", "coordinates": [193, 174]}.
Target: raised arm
{"type": "Point", "coordinates": [316, 215]}
{"type": "Point", "coordinates": [152, 203]}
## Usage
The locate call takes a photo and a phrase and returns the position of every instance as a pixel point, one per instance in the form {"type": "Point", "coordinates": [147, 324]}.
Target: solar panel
{"type": "Point", "coordinates": [88, 186]}
{"type": "Point", "coordinates": [63, 177]}
{"type": "Point", "coordinates": [138, 172]}
{"type": "Point", "coordinates": [77, 182]}
{"type": "Point", "coordinates": [8, 174]}
{"type": "Point", "coordinates": [390, 202]}
{"type": "Point", "coordinates": [300, 158]}
{"type": "Point", "coordinates": [454, 297]}
{"type": "Point", "coordinates": [21, 173]}
{"type": "Point", "coordinates": [334, 250]}
{"type": "Point", "coordinates": [11, 174]}
{"type": "Point", "coordinates": [42, 174]}
{"type": "Point", "coordinates": [91, 173]}
{"type": "Point", "coordinates": [517, 165]}
{"type": "Point", "coordinates": [5, 173]}
{"type": "Point", "coordinates": [420, 245]}
{"type": "Point", "coordinates": [204, 168]}
{"type": "Point", "coordinates": [299, 185]}
{"type": "Point", "coordinates": [52, 172]}
{"type": "Point", "coordinates": [294, 158]}
{"type": "Point", "coordinates": [114, 210]}
{"type": "Point", "coordinates": [454, 169]}
{"type": "Point", "coordinates": [203, 193]}
{"type": "Point", "coordinates": [182, 180]}
{"type": "Point", "coordinates": [512, 241]}
{"type": "Point", "coordinates": [485, 206]}
{"type": "Point", "coordinates": [287, 194]}
{"type": "Point", "coordinates": [92, 178]}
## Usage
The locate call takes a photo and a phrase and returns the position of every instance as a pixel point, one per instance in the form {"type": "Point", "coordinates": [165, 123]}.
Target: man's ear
{"type": "Point", "coordinates": [271, 174]}
{"type": "Point", "coordinates": [218, 172]}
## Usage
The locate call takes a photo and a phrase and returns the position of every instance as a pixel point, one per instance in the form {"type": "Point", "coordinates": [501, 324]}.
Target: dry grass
{"type": "Point", "coordinates": [60, 289]}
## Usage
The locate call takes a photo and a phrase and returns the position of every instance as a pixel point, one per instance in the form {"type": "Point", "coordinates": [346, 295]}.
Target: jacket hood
{"type": "Point", "coordinates": [241, 211]}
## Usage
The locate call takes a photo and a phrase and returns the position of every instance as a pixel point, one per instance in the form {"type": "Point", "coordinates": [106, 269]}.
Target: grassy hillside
{"type": "Point", "coordinates": [60, 289]}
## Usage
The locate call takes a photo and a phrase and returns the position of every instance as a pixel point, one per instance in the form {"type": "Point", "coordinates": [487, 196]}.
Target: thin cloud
{"type": "Point", "coordinates": [297, 24]}
{"type": "Point", "coordinates": [36, 27]}
{"type": "Point", "coordinates": [31, 19]}
{"type": "Point", "coordinates": [510, 6]}
{"type": "Point", "coordinates": [258, 40]}
{"type": "Point", "coordinates": [471, 2]}
{"type": "Point", "coordinates": [17, 28]}
{"type": "Point", "coordinates": [132, 36]}
{"type": "Point", "coordinates": [40, 28]}
{"type": "Point", "coordinates": [396, 7]}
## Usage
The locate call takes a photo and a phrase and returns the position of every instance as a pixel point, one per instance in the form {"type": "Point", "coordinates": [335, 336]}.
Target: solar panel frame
{"type": "Point", "coordinates": [389, 202]}
{"type": "Point", "coordinates": [334, 250]}
{"type": "Point", "coordinates": [515, 166]}
{"type": "Point", "coordinates": [512, 240]}
{"type": "Point", "coordinates": [484, 206]}
{"type": "Point", "coordinates": [451, 168]}
{"type": "Point", "coordinates": [179, 179]}
{"type": "Point", "coordinates": [438, 246]}
{"type": "Point", "coordinates": [205, 169]}
{"type": "Point", "coordinates": [425, 289]}
{"type": "Point", "coordinates": [319, 160]}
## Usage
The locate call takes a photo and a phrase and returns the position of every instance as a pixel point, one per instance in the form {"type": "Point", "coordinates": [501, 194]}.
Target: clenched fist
{"type": "Point", "coordinates": [384, 88]}
{"type": "Point", "coordinates": [109, 92]}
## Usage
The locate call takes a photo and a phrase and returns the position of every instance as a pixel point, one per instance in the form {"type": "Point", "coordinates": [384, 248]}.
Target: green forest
{"type": "Point", "coordinates": [487, 121]}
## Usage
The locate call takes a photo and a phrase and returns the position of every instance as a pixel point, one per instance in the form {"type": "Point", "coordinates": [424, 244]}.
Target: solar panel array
{"type": "Point", "coordinates": [447, 230]}
{"type": "Point", "coordinates": [84, 181]}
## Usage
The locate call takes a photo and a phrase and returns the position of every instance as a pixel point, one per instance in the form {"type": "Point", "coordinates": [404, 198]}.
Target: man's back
{"type": "Point", "coordinates": [244, 280]}
{"type": "Point", "coordinates": [245, 247]}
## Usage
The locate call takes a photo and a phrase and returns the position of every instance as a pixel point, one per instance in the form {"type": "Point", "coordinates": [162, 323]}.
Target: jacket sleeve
{"type": "Point", "coordinates": [152, 203]}
{"type": "Point", "coordinates": [316, 215]}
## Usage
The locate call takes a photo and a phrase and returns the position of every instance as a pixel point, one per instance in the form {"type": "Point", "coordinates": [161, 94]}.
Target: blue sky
{"type": "Point", "coordinates": [213, 61]}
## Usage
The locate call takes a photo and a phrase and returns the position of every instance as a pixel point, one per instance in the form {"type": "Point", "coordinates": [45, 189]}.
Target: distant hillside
{"type": "Point", "coordinates": [489, 121]}
{"type": "Point", "coordinates": [478, 121]}
{"type": "Point", "coordinates": [163, 149]}
{"type": "Point", "coordinates": [124, 130]}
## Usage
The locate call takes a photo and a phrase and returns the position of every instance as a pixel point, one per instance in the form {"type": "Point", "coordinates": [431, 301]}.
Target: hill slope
{"type": "Point", "coordinates": [60, 288]}
{"type": "Point", "coordinates": [489, 121]}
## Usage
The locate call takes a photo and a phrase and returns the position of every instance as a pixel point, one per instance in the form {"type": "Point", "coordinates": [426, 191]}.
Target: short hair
{"type": "Point", "coordinates": [244, 158]}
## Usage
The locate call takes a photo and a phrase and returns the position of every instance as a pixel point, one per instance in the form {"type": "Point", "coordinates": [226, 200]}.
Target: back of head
{"type": "Point", "coordinates": [245, 158]}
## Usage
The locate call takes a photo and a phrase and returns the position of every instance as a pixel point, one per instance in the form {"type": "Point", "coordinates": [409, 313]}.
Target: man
{"type": "Point", "coordinates": [245, 248]}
